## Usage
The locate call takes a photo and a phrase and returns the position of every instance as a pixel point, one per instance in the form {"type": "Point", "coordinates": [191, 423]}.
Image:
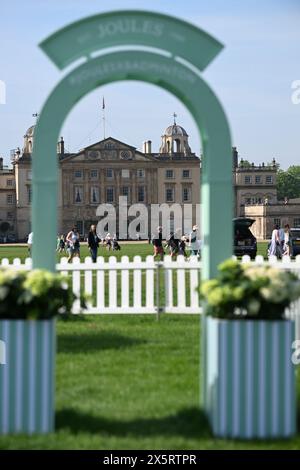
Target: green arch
{"type": "Point", "coordinates": [185, 84]}
{"type": "Point", "coordinates": [180, 40]}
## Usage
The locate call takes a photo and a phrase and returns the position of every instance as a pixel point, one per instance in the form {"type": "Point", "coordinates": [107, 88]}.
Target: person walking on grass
{"type": "Point", "coordinates": [287, 241]}
{"type": "Point", "coordinates": [108, 241]}
{"type": "Point", "coordinates": [182, 245]}
{"type": "Point", "coordinates": [193, 242]}
{"type": "Point", "coordinates": [60, 246]}
{"type": "Point", "coordinates": [93, 242]}
{"type": "Point", "coordinates": [275, 246]}
{"type": "Point", "coordinates": [72, 240]}
{"type": "Point", "coordinates": [157, 244]}
{"type": "Point", "coordinates": [29, 243]}
{"type": "Point", "coordinates": [173, 243]}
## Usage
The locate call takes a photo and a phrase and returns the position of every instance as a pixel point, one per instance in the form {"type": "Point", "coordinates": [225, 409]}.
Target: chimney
{"type": "Point", "coordinates": [148, 146]}
{"type": "Point", "coordinates": [144, 147]}
{"type": "Point", "coordinates": [61, 146]}
{"type": "Point", "coordinates": [1, 163]}
{"type": "Point", "coordinates": [235, 157]}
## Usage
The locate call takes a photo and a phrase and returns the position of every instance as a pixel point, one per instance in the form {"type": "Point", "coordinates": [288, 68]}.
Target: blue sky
{"type": "Point", "coordinates": [252, 76]}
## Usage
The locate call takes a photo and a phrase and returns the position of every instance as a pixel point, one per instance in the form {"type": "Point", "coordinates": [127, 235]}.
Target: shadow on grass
{"type": "Point", "coordinates": [97, 341]}
{"type": "Point", "coordinates": [189, 422]}
{"type": "Point", "coordinates": [71, 317]}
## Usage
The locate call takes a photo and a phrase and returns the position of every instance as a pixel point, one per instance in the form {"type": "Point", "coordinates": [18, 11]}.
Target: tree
{"type": "Point", "coordinates": [245, 164]}
{"type": "Point", "coordinates": [288, 183]}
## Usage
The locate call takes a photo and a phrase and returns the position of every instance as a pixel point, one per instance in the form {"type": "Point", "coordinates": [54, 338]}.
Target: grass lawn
{"type": "Point", "coordinates": [130, 382]}
{"type": "Point", "coordinates": [129, 249]}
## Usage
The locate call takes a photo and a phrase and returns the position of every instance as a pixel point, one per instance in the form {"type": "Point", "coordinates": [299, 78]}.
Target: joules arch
{"type": "Point", "coordinates": [174, 53]}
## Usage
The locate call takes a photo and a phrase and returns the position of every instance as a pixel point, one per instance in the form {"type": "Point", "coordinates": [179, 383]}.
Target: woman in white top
{"type": "Point", "coordinates": [274, 249]}
{"type": "Point", "coordinates": [72, 240]}
{"type": "Point", "coordinates": [108, 241]}
{"type": "Point", "coordinates": [287, 241]}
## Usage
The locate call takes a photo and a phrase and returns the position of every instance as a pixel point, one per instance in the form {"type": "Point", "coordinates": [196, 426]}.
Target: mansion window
{"type": "Point", "coordinates": [78, 174]}
{"type": "Point", "coordinates": [9, 182]}
{"type": "Point", "coordinates": [140, 173]}
{"type": "Point", "coordinates": [253, 200]}
{"type": "Point", "coordinates": [29, 174]}
{"type": "Point", "coordinates": [78, 194]}
{"type": "Point", "coordinates": [186, 194]}
{"type": "Point", "coordinates": [186, 174]}
{"type": "Point", "coordinates": [10, 215]}
{"type": "Point", "coordinates": [170, 194]}
{"type": "Point", "coordinates": [141, 194]}
{"type": "Point", "coordinates": [95, 198]}
{"type": "Point", "coordinates": [109, 173]}
{"type": "Point", "coordinates": [269, 179]}
{"type": "Point", "coordinates": [297, 223]}
{"type": "Point", "coordinates": [109, 146]}
{"type": "Point", "coordinates": [10, 198]}
{"type": "Point", "coordinates": [169, 174]}
{"type": "Point", "coordinates": [257, 179]}
{"type": "Point", "coordinates": [94, 174]}
{"type": "Point", "coordinates": [125, 191]}
{"type": "Point", "coordinates": [125, 174]}
{"type": "Point", "coordinates": [248, 179]}
{"type": "Point", "coordinates": [109, 194]}
{"type": "Point", "coordinates": [277, 222]}
{"type": "Point", "coordinates": [29, 194]}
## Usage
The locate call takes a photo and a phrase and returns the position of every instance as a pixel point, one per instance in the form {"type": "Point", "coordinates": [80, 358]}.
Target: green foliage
{"type": "Point", "coordinates": [36, 294]}
{"type": "Point", "coordinates": [288, 183]}
{"type": "Point", "coordinates": [245, 164]}
{"type": "Point", "coordinates": [245, 291]}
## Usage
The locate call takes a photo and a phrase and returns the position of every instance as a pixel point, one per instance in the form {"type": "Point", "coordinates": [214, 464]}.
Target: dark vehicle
{"type": "Point", "coordinates": [244, 240]}
{"type": "Point", "coordinates": [295, 241]}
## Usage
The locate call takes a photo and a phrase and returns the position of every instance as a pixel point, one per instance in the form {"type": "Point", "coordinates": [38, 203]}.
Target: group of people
{"type": "Point", "coordinates": [280, 244]}
{"type": "Point", "coordinates": [71, 243]}
{"type": "Point", "coordinates": [176, 244]}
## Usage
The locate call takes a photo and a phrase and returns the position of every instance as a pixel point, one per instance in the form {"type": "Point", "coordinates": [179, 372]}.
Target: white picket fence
{"type": "Point", "coordinates": [147, 286]}
{"type": "Point", "coordinates": [135, 286]}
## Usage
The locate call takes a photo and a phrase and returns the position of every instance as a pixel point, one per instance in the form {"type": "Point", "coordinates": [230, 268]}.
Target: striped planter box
{"type": "Point", "coordinates": [27, 377]}
{"type": "Point", "coordinates": [250, 378]}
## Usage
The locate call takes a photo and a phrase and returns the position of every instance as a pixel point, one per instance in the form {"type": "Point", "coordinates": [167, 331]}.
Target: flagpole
{"type": "Point", "coordinates": [103, 116]}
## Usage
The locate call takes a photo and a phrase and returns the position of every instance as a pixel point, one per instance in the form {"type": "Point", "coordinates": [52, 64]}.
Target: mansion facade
{"type": "Point", "coordinates": [103, 171]}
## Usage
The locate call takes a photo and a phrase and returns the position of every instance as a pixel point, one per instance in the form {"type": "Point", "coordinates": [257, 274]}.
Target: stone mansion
{"type": "Point", "coordinates": [103, 171]}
